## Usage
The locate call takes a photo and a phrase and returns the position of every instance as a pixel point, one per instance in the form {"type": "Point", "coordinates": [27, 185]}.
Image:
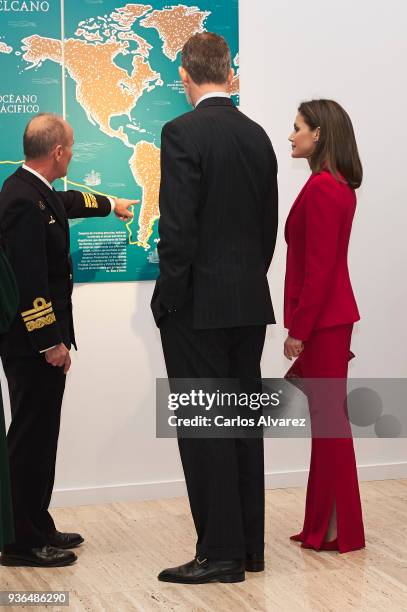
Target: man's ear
{"type": "Point", "coordinates": [231, 76]}
{"type": "Point", "coordinates": [184, 75]}
{"type": "Point", "coordinates": [58, 151]}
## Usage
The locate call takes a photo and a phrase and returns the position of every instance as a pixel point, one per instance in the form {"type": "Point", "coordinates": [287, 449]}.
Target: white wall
{"type": "Point", "coordinates": [290, 51]}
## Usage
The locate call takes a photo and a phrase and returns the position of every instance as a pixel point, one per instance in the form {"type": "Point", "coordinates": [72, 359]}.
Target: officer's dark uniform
{"type": "Point", "coordinates": [35, 235]}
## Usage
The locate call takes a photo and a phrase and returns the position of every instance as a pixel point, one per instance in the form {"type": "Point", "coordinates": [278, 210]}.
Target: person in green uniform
{"type": "Point", "coordinates": [6, 516]}
{"type": "Point", "coordinates": [8, 310]}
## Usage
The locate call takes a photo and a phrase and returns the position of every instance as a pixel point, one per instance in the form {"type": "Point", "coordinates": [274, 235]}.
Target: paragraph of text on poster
{"type": "Point", "coordinates": [102, 251]}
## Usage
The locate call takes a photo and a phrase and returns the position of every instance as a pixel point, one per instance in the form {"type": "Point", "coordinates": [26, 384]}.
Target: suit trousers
{"type": "Point", "coordinates": [224, 477]}
{"type": "Point", "coordinates": [36, 390]}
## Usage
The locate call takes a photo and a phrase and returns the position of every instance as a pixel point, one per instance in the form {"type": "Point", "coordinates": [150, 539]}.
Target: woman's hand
{"type": "Point", "coordinates": [293, 347]}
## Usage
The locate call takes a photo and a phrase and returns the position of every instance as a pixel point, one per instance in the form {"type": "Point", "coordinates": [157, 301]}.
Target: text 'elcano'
{"type": "Point", "coordinates": [16, 6]}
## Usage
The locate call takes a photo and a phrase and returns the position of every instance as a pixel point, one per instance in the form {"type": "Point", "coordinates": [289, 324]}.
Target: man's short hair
{"type": "Point", "coordinates": [207, 59]}
{"type": "Point", "coordinates": [42, 134]}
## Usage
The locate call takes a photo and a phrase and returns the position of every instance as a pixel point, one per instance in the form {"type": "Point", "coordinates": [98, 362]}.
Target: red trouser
{"type": "Point", "coordinates": [333, 476]}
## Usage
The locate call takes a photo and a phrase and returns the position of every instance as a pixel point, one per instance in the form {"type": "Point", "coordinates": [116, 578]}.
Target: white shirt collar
{"type": "Point", "coordinates": [38, 175]}
{"type": "Point", "coordinates": [212, 94]}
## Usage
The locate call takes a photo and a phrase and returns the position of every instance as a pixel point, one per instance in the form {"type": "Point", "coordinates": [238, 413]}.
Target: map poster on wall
{"type": "Point", "coordinates": [115, 79]}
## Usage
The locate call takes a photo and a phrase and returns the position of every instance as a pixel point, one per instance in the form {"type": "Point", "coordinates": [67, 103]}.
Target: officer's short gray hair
{"type": "Point", "coordinates": [42, 134]}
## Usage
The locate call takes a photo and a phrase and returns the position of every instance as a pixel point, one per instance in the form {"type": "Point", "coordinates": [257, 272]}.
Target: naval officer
{"type": "Point", "coordinates": [36, 350]}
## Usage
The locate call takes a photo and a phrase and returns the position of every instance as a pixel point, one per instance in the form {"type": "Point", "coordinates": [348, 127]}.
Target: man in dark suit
{"type": "Point", "coordinates": [218, 225]}
{"type": "Point", "coordinates": [35, 351]}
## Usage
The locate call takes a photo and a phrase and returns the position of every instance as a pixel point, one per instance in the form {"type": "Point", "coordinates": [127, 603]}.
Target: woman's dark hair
{"type": "Point", "coordinates": [336, 148]}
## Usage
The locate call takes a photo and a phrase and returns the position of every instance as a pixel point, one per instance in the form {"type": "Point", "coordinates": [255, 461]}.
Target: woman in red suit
{"type": "Point", "coordinates": [319, 313]}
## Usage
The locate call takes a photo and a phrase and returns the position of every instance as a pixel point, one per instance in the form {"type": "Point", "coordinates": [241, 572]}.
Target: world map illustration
{"type": "Point", "coordinates": [112, 71]}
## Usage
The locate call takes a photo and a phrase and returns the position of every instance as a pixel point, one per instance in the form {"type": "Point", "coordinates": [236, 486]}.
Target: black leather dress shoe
{"type": "Point", "coordinates": [201, 571]}
{"type": "Point", "coordinates": [48, 556]}
{"type": "Point", "coordinates": [65, 540]}
{"type": "Point", "coordinates": [254, 562]}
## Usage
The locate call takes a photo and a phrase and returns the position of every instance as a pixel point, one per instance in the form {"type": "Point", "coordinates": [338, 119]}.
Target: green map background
{"type": "Point", "coordinates": [94, 150]}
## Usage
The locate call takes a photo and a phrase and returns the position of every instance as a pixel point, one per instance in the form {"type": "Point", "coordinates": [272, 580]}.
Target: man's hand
{"type": "Point", "coordinates": [121, 208]}
{"type": "Point", "coordinates": [59, 356]}
{"type": "Point", "coordinates": [292, 347]}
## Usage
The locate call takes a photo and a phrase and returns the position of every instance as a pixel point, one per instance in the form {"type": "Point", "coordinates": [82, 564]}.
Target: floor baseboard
{"type": "Point", "coordinates": [140, 491]}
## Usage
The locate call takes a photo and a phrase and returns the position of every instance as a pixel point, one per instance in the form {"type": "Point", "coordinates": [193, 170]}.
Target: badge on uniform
{"type": "Point", "coordinates": [41, 205]}
{"type": "Point", "coordinates": [51, 220]}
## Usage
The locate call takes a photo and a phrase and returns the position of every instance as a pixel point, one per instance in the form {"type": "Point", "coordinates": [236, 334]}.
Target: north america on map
{"type": "Point", "coordinates": [122, 67]}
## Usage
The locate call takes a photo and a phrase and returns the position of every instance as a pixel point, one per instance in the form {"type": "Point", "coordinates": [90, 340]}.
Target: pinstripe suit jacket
{"type": "Point", "coordinates": [218, 223]}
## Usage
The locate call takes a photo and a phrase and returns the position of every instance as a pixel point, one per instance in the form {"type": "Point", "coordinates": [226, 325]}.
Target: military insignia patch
{"type": "Point", "coordinates": [39, 316]}
{"type": "Point", "coordinates": [41, 205]}
{"type": "Point", "coordinates": [89, 200]}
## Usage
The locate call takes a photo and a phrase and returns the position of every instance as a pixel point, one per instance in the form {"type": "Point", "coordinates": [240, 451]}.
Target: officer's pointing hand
{"type": "Point", "coordinates": [121, 208]}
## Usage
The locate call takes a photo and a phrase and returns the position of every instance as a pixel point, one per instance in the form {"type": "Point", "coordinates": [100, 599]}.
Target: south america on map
{"type": "Point", "coordinates": [112, 70]}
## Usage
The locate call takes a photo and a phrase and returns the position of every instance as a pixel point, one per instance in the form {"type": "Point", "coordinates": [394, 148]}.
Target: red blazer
{"type": "Point", "coordinates": [318, 292]}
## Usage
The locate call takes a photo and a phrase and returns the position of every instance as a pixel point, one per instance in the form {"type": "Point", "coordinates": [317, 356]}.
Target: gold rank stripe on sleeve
{"type": "Point", "coordinates": [39, 316]}
{"type": "Point", "coordinates": [35, 316]}
{"type": "Point", "coordinates": [90, 200]}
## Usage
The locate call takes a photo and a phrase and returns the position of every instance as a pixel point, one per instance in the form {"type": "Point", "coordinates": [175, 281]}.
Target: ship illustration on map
{"type": "Point", "coordinates": [153, 257]}
{"type": "Point", "coordinates": [92, 179]}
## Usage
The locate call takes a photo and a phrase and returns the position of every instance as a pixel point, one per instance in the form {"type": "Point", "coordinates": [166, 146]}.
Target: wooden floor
{"type": "Point", "coordinates": [127, 544]}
